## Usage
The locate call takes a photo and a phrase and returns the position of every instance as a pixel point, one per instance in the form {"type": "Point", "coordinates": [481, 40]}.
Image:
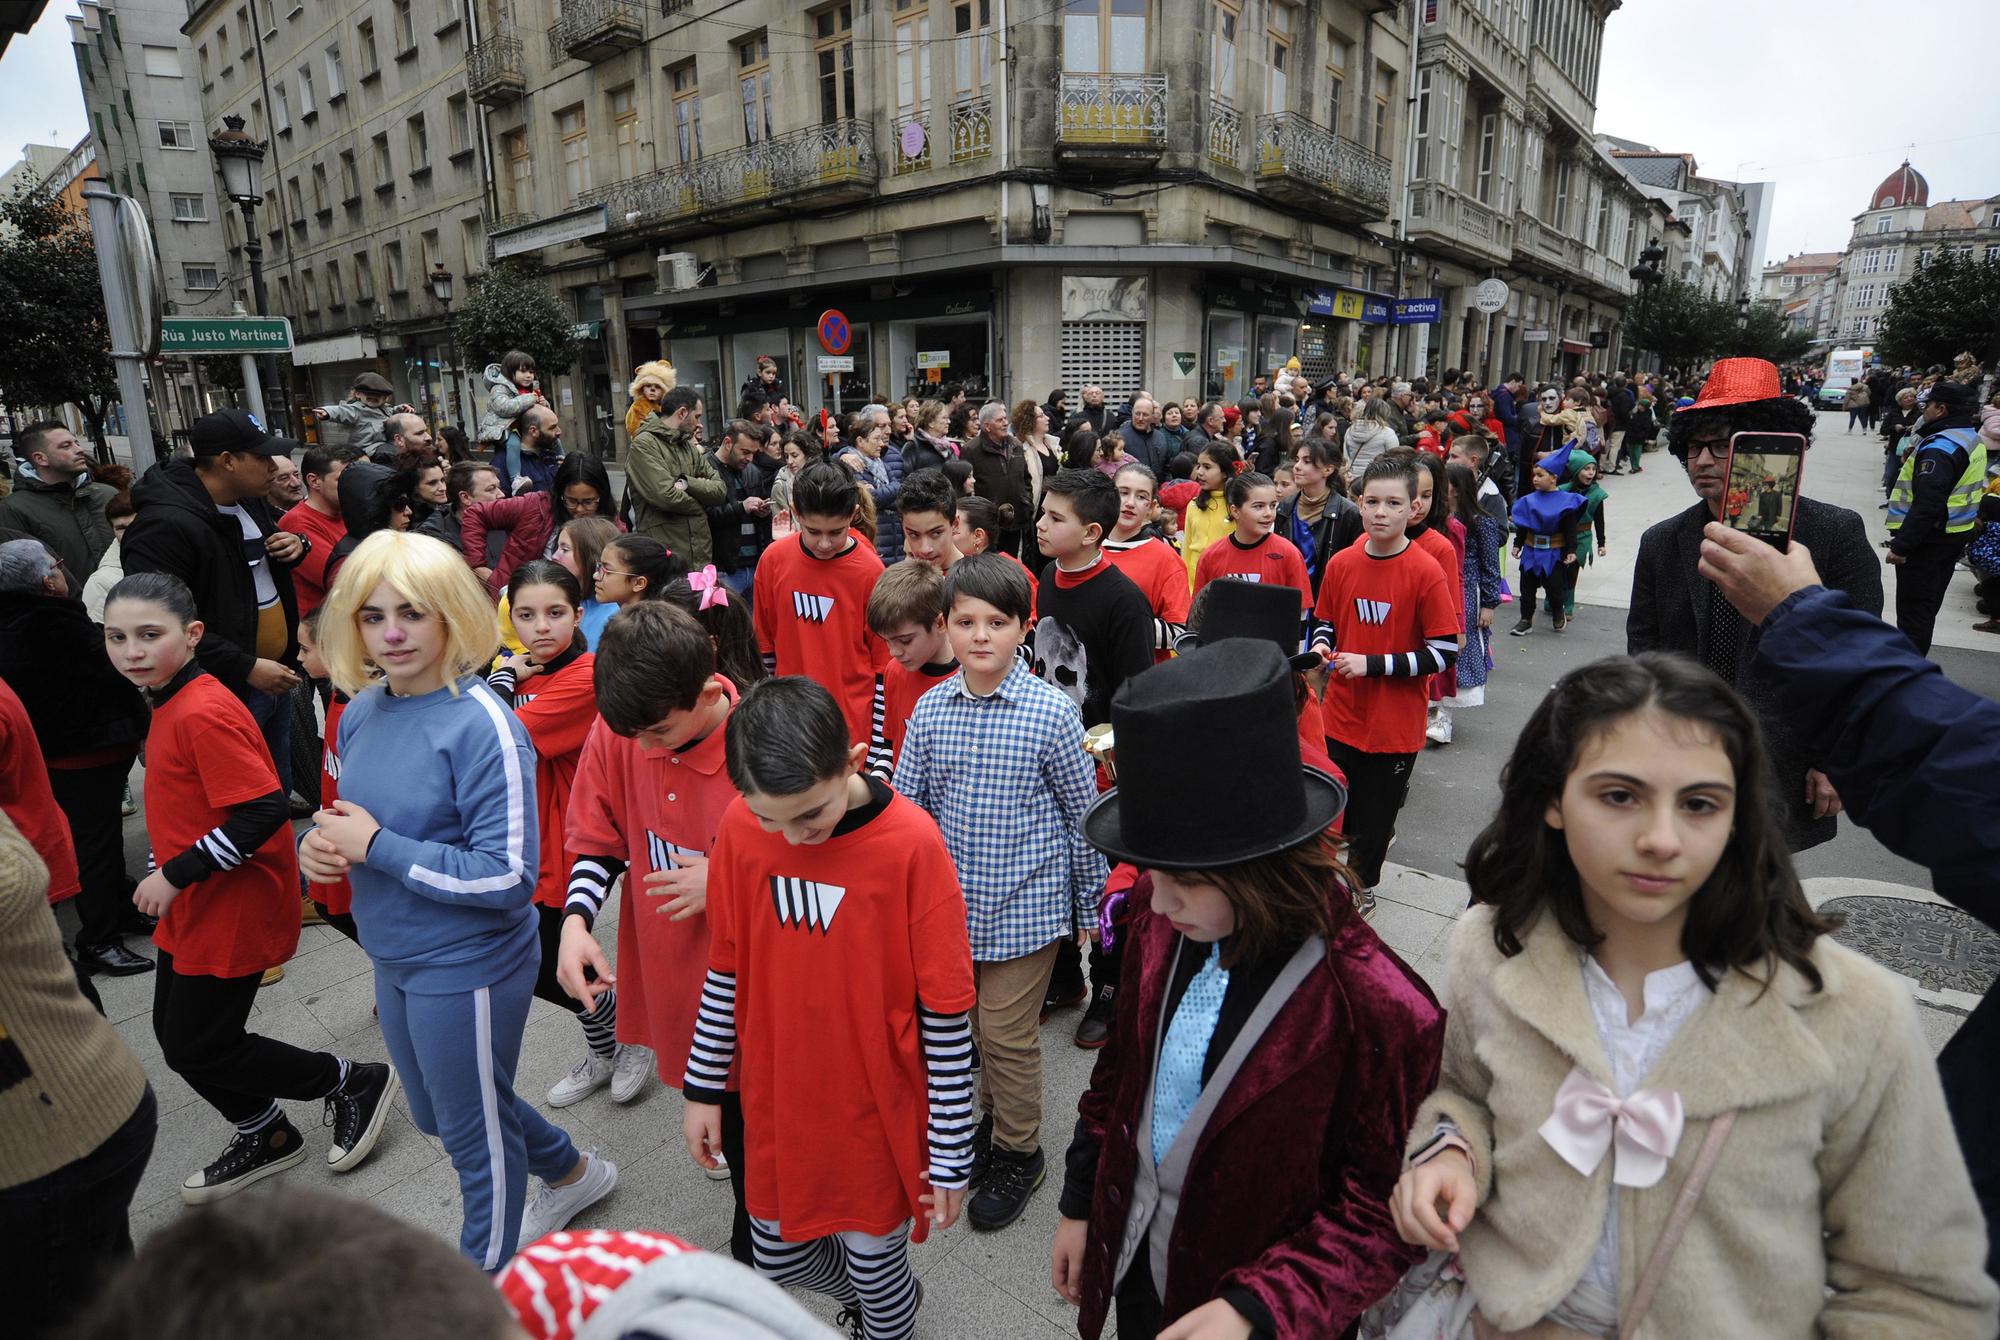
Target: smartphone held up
{"type": "Point", "coordinates": [1761, 496]}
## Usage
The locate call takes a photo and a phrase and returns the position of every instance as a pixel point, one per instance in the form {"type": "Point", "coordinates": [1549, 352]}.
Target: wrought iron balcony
{"type": "Point", "coordinates": [1458, 223]}
{"type": "Point", "coordinates": [821, 165]}
{"type": "Point", "coordinates": [972, 129]}
{"type": "Point", "coordinates": [1225, 134]}
{"type": "Point", "coordinates": [1310, 165]}
{"type": "Point", "coordinates": [493, 74]}
{"type": "Point", "coordinates": [595, 30]}
{"type": "Point", "coordinates": [1111, 120]}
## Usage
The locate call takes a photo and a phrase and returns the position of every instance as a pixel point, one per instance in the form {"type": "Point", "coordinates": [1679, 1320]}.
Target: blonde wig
{"type": "Point", "coordinates": [434, 580]}
{"type": "Point", "coordinates": [658, 373]}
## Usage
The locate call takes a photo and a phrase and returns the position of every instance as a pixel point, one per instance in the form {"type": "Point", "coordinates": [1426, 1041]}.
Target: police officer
{"type": "Point", "coordinates": [1933, 506]}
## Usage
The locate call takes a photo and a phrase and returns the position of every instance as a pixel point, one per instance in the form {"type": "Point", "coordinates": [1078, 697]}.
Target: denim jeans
{"type": "Point", "coordinates": [273, 713]}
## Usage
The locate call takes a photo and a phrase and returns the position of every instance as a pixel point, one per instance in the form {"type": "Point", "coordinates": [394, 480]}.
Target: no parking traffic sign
{"type": "Point", "coordinates": [835, 335]}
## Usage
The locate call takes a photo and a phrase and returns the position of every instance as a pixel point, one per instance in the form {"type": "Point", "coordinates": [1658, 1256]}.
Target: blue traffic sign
{"type": "Point", "coordinates": [835, 335]}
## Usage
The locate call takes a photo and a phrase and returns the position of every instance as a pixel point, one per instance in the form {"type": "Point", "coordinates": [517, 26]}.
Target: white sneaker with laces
{"type": "Point", "coordinates": [630, 1068]}
{"type": "Point", "coordinates": [586, 1077]}
{"type": "Point", "coordinates": [551, 1208]}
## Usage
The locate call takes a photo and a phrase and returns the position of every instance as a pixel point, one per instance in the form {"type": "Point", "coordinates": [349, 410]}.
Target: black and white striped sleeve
{"type": "Point", "coordinates": [503, 682]}
{"type": "Point", "coordinates": [881, 759]}
{"type": "Point", "coordinates": [230, 843]}
{"type": "Point", "coordinates": [590, 885]}
{"type": "Point", "coordinates": [1166, 635]}
{"type": "Point", "coordinates": [770, 659]}
{"type": "Point", "coordinates": [1321, 637]}
{"type": "Point", "coordinates": [948, 1058]}
{"type": "Point", "coordinates": [1436, 655]}
{"type": "Point", "coordinates": [714, 1046]}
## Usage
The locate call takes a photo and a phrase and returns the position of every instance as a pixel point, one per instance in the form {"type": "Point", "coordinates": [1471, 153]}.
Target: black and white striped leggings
{"type": "Point", "coordinates": [859, 1269]}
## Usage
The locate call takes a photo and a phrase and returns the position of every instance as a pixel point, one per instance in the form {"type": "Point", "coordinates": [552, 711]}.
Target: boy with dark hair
{"type": "Point", "coordinates": [996, 756]}
{"type": "Point", "coordinates": [810, 598]}
{"type": "Point", "coordinates": [649, 794]}
{"type": "Point", "coordinates": [929, 507]}
{"type": "Point", "coordinates": [838, 982]}
{"type": "Point", "coordinates": [1385, 619]}
{"type": "Point", "coordinates": [1093, 626]}
{"type": "Point", "coordinates": [906, 610]}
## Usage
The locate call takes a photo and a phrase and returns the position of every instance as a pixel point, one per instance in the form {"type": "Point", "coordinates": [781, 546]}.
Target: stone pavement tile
{"type": "Point", "coordinates": [625, 1132]}
{"type": "Point", "coordinates": [1419, 888]}
{"type": "Point", "coordinates": [1938, 1024]}
{"type": "Point", "coordinates": [170, 1091]}
{"type": "Point", "coordinates": [427, 1198]}
{"type": "Point", "coordinates": [346, 1010]}
{"type": "Point", "coordinates": [1407, 929]}
{"type": "Point", "coordinates": [311, 970]}
{"type": "Point", "coordinates": [128, 997]}
{"type": "Point", "coordinates": [1016, 1259]}
{"type": "Point", "coordinates": [665, 1192]}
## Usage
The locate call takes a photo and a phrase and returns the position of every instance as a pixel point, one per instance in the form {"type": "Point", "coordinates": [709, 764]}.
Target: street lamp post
{"type": "Point", "coordinates": [441, 281]}
{"type": "Point", "coordinates": [241, 162]}
{"type": "Point", "coordinates": [1646, 274]}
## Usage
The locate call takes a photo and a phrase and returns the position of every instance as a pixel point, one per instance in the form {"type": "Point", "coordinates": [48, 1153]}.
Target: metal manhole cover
{"type": "Point", "coordinates": [1941, 947]}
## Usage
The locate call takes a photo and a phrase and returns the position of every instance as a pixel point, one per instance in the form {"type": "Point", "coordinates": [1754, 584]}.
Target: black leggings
{"type": "Point", "coordinates": [1377, 785]}
{"type": "Point", "coordinates": [199, 1023]}
{"type": "Point", "coordinates": [1556, 583]}
{"type": "Point", "coordinates": [550, 925]}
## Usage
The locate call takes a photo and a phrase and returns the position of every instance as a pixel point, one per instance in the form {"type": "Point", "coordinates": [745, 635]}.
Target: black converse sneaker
{"type": "Point", "coordinates": [248, 1160]}
{"type": "Point", "coordinates": [356, 1111]}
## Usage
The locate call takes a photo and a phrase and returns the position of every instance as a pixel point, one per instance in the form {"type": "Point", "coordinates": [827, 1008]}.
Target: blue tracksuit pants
{"type": "Point", "coordinates": [456, 1055]}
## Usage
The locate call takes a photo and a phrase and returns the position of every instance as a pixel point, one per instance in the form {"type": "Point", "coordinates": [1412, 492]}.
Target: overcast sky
{"type": "Point", "coordinates": [1824, 97]}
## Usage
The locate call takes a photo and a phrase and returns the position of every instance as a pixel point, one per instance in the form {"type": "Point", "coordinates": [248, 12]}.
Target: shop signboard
{"type": "Point", "coordinates": [934, 358]}
{"type": "Point", "coordinates": [1374, 312]}
{"type": "Point", "coordinates": [1416, 312]}
{"type": "Point", "coordinates": [1534, 337]}
{"type": "Point", "coordinates": [1184, 364]}
{"type": "Point", "coordinates": [1105, 298]}
{"type": "Point", "coordinates": [1490, 296]}
{"type": "Point", "coordinates": [225, 335]}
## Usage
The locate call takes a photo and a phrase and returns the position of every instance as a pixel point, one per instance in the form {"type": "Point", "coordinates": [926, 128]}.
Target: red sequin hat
{"type": "Point", "coordinates": [1738, 381]}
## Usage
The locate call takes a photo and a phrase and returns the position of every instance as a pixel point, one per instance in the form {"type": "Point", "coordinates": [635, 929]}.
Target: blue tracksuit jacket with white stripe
{"type": "Point", "coordinates": [444, 902]}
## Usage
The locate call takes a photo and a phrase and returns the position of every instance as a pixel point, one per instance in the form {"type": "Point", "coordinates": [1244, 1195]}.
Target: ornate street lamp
{"type": "Point", "coordinates": [240, 159]}
{"type": "Point", "coordinates": [1646, 274]}
{"type": "Point", "coordinates": [441, 281]}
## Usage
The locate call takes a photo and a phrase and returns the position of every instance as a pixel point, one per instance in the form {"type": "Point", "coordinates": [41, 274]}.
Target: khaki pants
{"type": "Point", "coordinates": [1007, 1025]}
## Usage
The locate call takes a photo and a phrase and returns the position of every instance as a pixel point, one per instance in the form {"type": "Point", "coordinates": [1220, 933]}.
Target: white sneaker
{"type": "Point", "coordinates": [1439, 731]}
{"type": "Point", "coordinates": [586, 1077]}
{"type": "Point", "coordinates": [630, 1068]}
{"type": "Point", "coordinates": [720, 1172]}
{"type": "Point", "coordinates": [551, 1208]}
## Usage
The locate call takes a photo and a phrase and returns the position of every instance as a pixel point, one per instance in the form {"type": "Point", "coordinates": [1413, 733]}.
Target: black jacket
{"type": "Point", "coordinates": [367, 491]}
{"type": "Point", "coordinates": [726, 519]}
{"type": "Point", "coordinates": [1338, 527]}
{"type": "Point", "coordinates": [52, 656]}
{"type": "Point", "coordinates": [923, 452]}
{"type": "Point", "coordinates": [1001, 474]}
{"type": "Point", "coordinates": [178, 531]}
{"type": "Point", "coordinates": [1670, 610]}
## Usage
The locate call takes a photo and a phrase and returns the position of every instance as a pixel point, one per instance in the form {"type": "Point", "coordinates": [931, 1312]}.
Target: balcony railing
{"type": "Point", "coordinates": [493, 74]}
{"type": "Point", "coordinates": [1297, 159]}
{"type": "Point", "coordinates": [1459, 222]}
{"type": "Point", "coordinates": [1536, 239]}
{"type": "Point", "coordinates": [1116, 116]}
{"type": "Point", "coordinates": [832, 162]}
{"type": "Point", "coordinates": [595, 30]}
{"type": "Point", "coordinates": [903, 164]}
{"type": "Point", "coordinates": [1225, 134]}
{"type": "Point", "coordinates": [972, 129]}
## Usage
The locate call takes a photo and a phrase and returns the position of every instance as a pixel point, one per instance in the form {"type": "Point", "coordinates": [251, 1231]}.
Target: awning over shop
{"type": "Point", "coordinates": [1576, 347]}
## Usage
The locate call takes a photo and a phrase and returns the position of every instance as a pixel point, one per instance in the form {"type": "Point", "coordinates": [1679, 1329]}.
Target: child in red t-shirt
{"type": "Point", "coordinates": [840, 976]}
{"type": "Point", "coordinates": [226, 891]}
{"type": "Point", "coordinates": [1154, 566]}
{"type": "Point", "coordinates": [549, 687]}
{"type": "Point", "coordinates": [1385, 619]}
{"type": "Point", "coordinates": [907, 612]}
{"type": "Point", "coordinates": [1251, 552]}
{"type": "Point", "coordinates": [649, 794]}
{"type": "Point", "coordinates": [335, 902]}
{"type": "Point", "coordinates": [810, 599]}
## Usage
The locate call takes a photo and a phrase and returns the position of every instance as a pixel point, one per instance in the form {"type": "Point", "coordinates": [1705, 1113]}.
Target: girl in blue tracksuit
{"type": "Point", "coordinates": [435, 829]}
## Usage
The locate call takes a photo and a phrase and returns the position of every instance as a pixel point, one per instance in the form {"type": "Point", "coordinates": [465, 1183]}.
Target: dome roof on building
{"type": "Point", "coordinates": [1904, 186]}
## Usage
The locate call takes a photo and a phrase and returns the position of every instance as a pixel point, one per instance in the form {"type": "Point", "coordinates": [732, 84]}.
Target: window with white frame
{"type": "Point", "coordinates": [913, 60]}
{"type": "Point", "coordinates": [753, 85]}
{"type": "Point", "coordinates": [1486, 163]}
{"type": "Point", "coordinates": [1385, 95]}
{"type": "Point", "coordinates": [1426, 149]}
{"type": "Point", "coordinates": [520, 169]}
{"type": "Point", "coordinates": [176, 135]}
{"type": "Point", "coordinates": [1280, 25]}
{"type": "Point", "coordinates": [281, 110]}
{"type": "Point", "coordinates": [198, 278]}
{"type": "Point", "coordinates": [1337, 51]}
{"type": "Point", "coordinates": [1225, 18]}
{"type": "Point", "coordinates": [687, 111]}
{"type": "Point", "coordinates": [1882, 224]}
{"type": "Point", "coordinates": [162, 62]}
{"type": "Point", "coordinates": [625, 129]}
{"type": "Point", "coordinates": [336, 75]}
{"type": "Point", "coordinates": [188, 207]}
{"type": "Point", "coordinates": [307, 107]}
{"type": "Point", "coordinates": [971, 46]}
{"type": "Point", "coordinates": [573, 128]}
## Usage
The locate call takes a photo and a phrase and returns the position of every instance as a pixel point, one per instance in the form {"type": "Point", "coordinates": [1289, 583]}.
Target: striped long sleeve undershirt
{"type": "Point", "coordinates": [230, 843]}
{"type": "Point", "coordinates": [1166, 636]}
{"type": "Point", "coordinates": [502, 682]}
{"type": "Point", "coordinates": [589, 885]}
{"type": "Point", "coordinates": [881, 760]}
{"type": "Point", "coordinates": [947, 1041]}
{"type": "Point", "coordinates": [1436, 655]}
{"type": "Point", "coordinates": [948, 1059]}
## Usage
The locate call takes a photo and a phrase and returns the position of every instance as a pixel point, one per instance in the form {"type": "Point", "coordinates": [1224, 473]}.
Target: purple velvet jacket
{"type": "Point", "coordinates": [1287, 1192]}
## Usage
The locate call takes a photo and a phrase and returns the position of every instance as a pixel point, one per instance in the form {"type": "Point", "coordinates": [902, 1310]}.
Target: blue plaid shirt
{"type": "Point", "coordinates": [1007, 780]}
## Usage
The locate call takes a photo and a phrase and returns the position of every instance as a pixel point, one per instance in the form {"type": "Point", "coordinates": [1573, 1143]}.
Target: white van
{"type": "Point", "coordinates": [1844, 367]}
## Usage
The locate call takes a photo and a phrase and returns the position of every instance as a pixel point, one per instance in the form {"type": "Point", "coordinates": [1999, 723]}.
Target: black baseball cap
{"type": "Point", "coordinates": [233, 430]}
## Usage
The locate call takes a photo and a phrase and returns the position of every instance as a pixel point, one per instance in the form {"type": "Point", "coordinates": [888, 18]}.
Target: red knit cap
{"type": "Point", "coordinates": [1738, 381]}
{"type": "Point", "coordinates": [556, 1283]}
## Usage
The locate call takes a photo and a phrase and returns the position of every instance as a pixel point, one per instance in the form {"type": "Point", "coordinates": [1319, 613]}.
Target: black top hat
{"type": "Point", "coordinates": [1274, 802]}
{"type": "Point", "coordinates": [1236, 608]}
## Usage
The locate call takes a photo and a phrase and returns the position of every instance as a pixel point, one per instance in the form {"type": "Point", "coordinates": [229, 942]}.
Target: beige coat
{"type": "Point", "coordinates": [1842, 1172]}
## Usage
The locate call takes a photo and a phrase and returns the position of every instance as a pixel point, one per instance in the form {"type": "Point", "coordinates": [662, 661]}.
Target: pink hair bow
{"type": "Point", "coordinates": [713, 592]}
{"type": "Point", "coordinates": [1589, 1119]}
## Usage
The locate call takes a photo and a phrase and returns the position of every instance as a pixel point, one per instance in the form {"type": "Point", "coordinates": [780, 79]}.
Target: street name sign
{"type": "Point", "coordinates": [184, 335]}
